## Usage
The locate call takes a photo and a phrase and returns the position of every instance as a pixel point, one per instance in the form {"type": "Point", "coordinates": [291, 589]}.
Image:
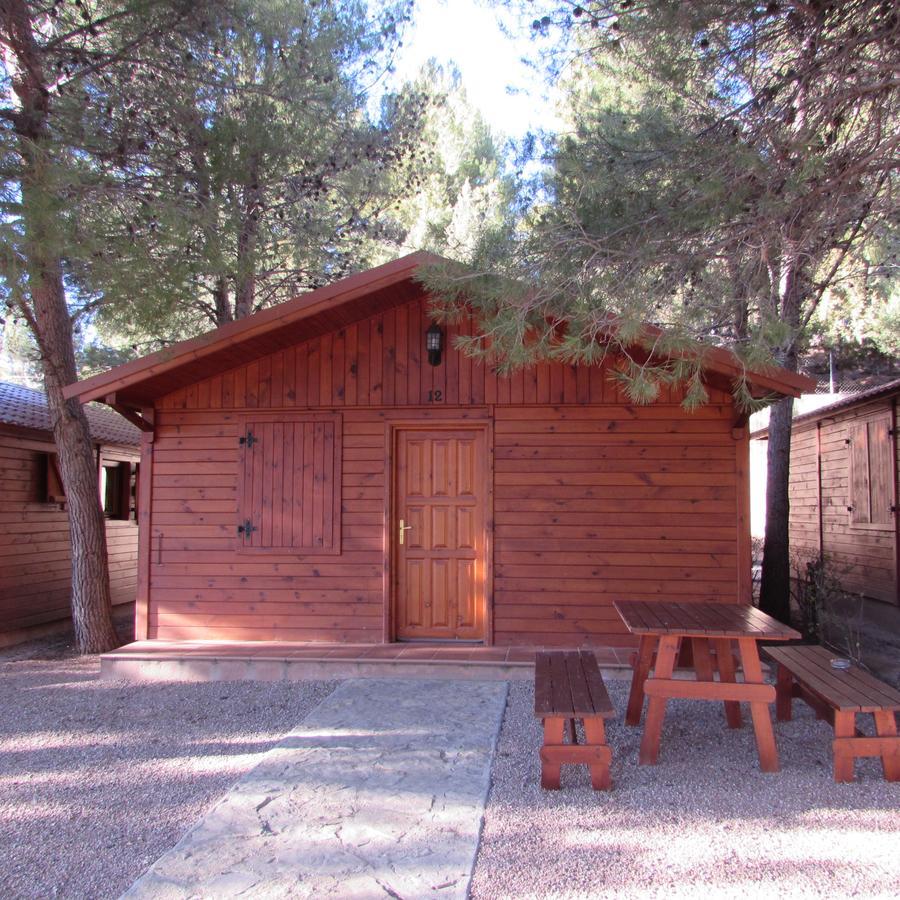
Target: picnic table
{"type": "Point", "coordinates": [709, 626]}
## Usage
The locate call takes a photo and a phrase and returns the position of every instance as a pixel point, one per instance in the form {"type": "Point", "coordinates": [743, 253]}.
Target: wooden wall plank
{"type": "Point", "coordinates": [35, 550]}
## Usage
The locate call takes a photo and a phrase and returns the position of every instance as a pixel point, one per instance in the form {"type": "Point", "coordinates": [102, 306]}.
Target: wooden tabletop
{"type": "Point", "coordinates": [702, 620]}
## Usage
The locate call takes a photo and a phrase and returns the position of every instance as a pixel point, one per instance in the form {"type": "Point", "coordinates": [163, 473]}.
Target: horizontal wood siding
{"type": "Point", "coordinates": [863, 557]}
{"type": "Point", "coordinates": [594, 499]}
{"type": "Point", "coordinates": [201, 587]}
{"type": "Point", "coordinates": [602, 503]}
{"type": "Point", "coordinates": [35, 555]}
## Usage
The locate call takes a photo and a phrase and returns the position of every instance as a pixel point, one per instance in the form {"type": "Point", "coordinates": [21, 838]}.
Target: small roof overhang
{"type": "Point", "coordinates": [137, 384]}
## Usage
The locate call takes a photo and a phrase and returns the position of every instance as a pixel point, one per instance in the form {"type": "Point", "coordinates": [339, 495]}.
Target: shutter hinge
{"type": "Point", "coordinates": [847, 441]}
{"type": "Point", "coordinates": [249, 439]}
{"type": "Point", "coordinates": [246, 528]}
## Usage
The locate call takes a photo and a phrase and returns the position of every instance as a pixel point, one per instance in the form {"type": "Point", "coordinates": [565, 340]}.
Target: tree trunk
{"type": "Point", "coordinates": [775, 587]}
{"type": "Point", "coordinates": [251, 203]}
{"type": "Point", "coordinates": [223, 304]}
{"type": "Point", "coordinates": [91, 600]}
{"type": "Point", "coordinates": [775, 584]}
{"type": "Point", "coordinates": [48, 317]}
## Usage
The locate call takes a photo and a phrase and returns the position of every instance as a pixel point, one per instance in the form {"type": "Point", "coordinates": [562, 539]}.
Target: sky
{"type": "Point", "coordinates": [468, 34]}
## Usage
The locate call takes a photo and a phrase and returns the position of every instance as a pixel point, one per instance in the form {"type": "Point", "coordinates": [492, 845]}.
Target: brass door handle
{"type": "Point", "coordinates": [403, 529]}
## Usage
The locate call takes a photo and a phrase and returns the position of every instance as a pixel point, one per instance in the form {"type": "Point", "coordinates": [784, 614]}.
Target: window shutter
{"type": "Point", "coordinates": [859, 475]}
{"type": "Point", "coordinates": [53, 483]}
{"type": "Point", "coordinates": [881, 488]}
{"type": "Point", "coordinates": [870, 484]}
{"type": "Point", "coordinates": [290, 489]}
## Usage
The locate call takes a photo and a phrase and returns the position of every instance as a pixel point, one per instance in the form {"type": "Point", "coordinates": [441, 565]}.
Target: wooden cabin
{"type": "Point", "coordinates": [308, 474]}
{"type": "Point", "coordinates": [35, 574]}
{"type": "Point", "coordinates": [845, 463]}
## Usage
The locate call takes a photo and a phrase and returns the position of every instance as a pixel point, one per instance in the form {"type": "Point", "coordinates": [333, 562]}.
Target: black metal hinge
{"type": "Point", "coordinates": [248, 439]}
{"type": "Point", "coordinates": [246, 528]}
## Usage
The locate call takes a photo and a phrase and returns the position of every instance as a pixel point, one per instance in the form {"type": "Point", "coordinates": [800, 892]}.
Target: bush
{"type": "Point", "coordinates": [829, 614]}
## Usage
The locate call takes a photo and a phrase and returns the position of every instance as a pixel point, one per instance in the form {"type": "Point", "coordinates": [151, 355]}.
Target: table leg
{"type": "Point", "coordinates": [641, 671]}
{"type": "Point", "coordinates": [703, 665]}
{"type": "Point", "coordinates": [759, 711]}
{"type": "Point", "coordinates": [553, 736]}
{"type": "Point", "coordinates": [725, 662]}
{"type": "Point", "coordinates": [886, 726]}
{"type": "Point", "coordinates": [656, 707]}
{"type": "Point", "coordinates": [844, 727]}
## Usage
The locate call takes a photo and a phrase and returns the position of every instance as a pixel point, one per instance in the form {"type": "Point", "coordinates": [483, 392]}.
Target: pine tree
{"type": "Point", "coordinates": [726, 163]}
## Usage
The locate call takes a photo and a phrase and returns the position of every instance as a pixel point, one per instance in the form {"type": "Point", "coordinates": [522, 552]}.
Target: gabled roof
{"type": "Point", "coordinates": [328, 308]}
{"type": "Point", "coordinates": [845, 403]}
{"type": "Point", "coordinates": [27, 408]}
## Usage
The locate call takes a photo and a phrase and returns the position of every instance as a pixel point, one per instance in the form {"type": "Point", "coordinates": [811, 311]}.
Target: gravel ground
{"type": "Point", "coordinates": [704, 822]}
{"type": "Point", "coordinates": [99, 778]}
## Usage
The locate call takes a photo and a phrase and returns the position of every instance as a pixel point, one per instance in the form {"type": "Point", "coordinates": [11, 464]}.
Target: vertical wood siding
{"type": "Point", "coordinates": [594, 498]}
{"type": "Point", "coordinates": [381, 361]}
{"type": "Point", "coordinates": [862, 554]}
{"type": "Point", "coordinates": [35, 569]}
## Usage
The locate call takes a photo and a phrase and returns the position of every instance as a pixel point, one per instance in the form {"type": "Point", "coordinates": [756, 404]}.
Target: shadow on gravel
{"type": "Point", "coordinates": [99, 778]}
{"type": "Point", "coordinates": [704, 821]}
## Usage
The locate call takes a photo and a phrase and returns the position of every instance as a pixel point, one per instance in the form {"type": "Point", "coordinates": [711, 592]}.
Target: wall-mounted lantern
{"type": "Point", "coordinates": [434, 343]}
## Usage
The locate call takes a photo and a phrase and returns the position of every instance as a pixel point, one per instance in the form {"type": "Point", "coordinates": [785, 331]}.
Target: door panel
{"type": "Point", "coordinates": [441, 488]}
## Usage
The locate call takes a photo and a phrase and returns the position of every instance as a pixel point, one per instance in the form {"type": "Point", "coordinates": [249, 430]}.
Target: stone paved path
{"type": "Point", "coordinates": [378, 793]}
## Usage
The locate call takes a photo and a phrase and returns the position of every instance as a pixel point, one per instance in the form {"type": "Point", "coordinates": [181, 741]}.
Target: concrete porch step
{"type": "Point", "coordinates": [283, 661]}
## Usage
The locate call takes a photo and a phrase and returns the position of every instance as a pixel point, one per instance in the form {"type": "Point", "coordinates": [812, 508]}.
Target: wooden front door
{"type": "Point", "coordinates": [440, 482]}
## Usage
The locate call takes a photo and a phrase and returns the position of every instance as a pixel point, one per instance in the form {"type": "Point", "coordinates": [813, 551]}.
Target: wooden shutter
{"type": "Point", "coordinates": [291, 485]}
{"type": "Point", "coordinates": [881, 488]}
{"type": "Point", "coordinates": [859, 474]}
{"type": "Point", "coordinates": [870, 483]}
{"type": "Point", "coordinates": [51, 478]}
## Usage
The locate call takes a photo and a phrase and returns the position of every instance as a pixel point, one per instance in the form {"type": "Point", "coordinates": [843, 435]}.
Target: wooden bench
{"type": "Point", "coordinates": [838, 695]}
{"type": "Point", "coordinates": [568, 686]}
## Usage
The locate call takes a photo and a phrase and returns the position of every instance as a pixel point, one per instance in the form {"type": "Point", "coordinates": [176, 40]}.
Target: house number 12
{"type": "Point", "coordinates": [435, 396]}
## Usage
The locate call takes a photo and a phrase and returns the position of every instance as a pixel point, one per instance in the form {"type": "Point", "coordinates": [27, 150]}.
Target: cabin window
{"type": "Point", "coordinates": [117, 484]}
{"type": "Point", "coordinates": [50, 485]}
{"type": "Point", "coordinates": [871, 494]}
{"type": "Point", "coordinates": [290, 488]}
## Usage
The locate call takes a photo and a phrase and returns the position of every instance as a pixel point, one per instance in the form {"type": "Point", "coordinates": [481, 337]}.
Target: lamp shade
{"type": "Point", "coordinates": [434, 343]}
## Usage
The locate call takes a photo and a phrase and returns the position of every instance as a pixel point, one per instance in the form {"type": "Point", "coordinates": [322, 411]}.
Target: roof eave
{"type": "Point", "coordinates": [119, 379]}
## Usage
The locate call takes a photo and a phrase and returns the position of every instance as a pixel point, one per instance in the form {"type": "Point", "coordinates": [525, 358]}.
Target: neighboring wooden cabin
{"type": "Point", "coordinates": [311, 477]}
{"type": "Point", "coordinates": [35, 570]}
{"type": "Point", "coordinates": [843, 490]}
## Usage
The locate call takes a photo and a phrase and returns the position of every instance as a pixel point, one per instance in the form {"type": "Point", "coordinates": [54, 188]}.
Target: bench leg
{"type": "Point", "coordinates": [641, 671]}
{"type": "Point", "coordinates": [656, 707]}
{"type": "Point", "coordinates": [553, 736]}
{"type": "Point", "coordinates": [886, 726]}
{"type": "Point", "coordinates": [784, 694]}
{"type": "Point", "coordinates": [725, 663]}
{"type": "Point", "coordinates": [844, 727]}
{"type": "Point", "coordinates": [759, 711]}
{"type": "Point", "coordinates": [595, 735]}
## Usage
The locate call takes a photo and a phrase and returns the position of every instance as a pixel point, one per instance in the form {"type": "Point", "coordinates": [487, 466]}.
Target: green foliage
{"type": "Point", "coordinates": [271, 176]}
{"type": "Point", "coordinates": [723, 163]}
{"type": "Point", "coordinates": [460, 190]}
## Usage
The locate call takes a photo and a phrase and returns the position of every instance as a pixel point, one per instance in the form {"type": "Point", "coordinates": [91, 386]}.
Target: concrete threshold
{"type": "Point", "coordinates": [223, 661]}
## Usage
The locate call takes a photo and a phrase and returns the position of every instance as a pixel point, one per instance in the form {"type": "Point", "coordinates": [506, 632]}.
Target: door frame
{"type": "Point", "coordinates": [390, 576]}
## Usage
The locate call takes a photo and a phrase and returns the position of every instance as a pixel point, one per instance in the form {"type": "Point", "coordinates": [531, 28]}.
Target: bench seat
{"type": "Point", "coordinates": [838, 695]}
{"type": "Point", "coordinates": [568, 686]}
